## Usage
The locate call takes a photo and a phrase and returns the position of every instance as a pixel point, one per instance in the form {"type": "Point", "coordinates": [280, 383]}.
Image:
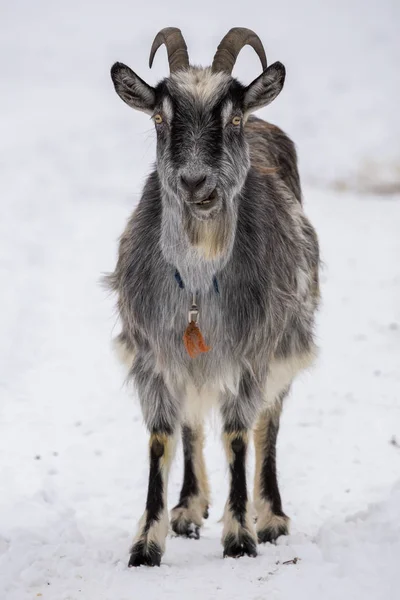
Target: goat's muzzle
{"type": "Point", "coordinates": [207, 203]}
{"type": "Point", "coordinates": [198, 190]}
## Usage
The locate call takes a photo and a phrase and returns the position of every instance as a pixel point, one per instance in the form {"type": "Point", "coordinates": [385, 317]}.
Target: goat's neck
{"type": "Point", "coordinates": [197, 249]}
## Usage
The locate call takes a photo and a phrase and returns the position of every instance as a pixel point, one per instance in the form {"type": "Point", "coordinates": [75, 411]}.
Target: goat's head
{"type": "Point", "coordinates": [202, 153]}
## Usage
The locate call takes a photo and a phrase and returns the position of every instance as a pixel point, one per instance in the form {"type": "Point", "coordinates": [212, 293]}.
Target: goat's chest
{"type": "Point", "coordinates": [211, 307]}
{"type": "Point", "coordinates": [232, 319]}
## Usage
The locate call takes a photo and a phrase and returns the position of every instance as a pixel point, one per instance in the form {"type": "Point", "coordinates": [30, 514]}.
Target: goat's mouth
{"type": "Point", "coordinates": [207, 203]}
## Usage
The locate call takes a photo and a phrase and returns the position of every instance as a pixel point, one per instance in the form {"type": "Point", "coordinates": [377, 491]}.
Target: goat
{"type": "Point", "coordinates": [220, 233]}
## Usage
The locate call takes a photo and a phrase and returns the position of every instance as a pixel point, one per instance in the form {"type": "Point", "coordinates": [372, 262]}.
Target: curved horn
{"type": "Point", "coordinates": [172, 37]}
{"type": "Point", "coordinates": [230, 46]}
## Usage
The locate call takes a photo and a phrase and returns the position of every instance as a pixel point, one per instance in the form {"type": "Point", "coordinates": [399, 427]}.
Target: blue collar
{"type": "Point", "coordinates": [182, 285]}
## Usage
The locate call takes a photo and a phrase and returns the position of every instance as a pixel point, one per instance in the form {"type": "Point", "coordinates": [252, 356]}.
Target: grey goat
{"type": "Point", "coordinates": [220, 235]}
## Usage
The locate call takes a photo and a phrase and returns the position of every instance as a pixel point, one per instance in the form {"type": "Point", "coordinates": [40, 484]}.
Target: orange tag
{"type": "Point", "coordinates": [194, 341]}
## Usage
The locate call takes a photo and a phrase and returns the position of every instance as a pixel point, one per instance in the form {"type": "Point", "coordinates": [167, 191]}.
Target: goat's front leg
{"type": "Point", "coordinates": [238, 537]}
{"type": "Point", "coordinates": [187, 516]}
{"type": "Point", "coordinates": [149, 543]}
{"type": "Point", "coordinates": [238, 412]}
{"type": "Point", "coordinates": [160, 411]}
{"type": "Point", "coordinates": [271, 520]}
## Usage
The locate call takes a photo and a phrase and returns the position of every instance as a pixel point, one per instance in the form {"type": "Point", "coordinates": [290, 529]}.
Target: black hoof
{"type": "Point", "coordinates": [186, 529]}
{"type": "Point", "coordinates": [145, 554]}
{"type": "Point", "coordinates": [271, 534]}
{"type": "Point", "coordinates": [206, 513]}
{"type": "Point", "coordinates": [236, 547]}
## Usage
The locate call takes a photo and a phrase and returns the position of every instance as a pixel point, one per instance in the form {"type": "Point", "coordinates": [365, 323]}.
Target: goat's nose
{"type": "Point", "coordinates": [193, 183]}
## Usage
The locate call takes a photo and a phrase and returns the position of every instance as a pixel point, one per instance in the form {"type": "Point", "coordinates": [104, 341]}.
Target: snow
{"type": "Point", "coordinates": [73, 450]}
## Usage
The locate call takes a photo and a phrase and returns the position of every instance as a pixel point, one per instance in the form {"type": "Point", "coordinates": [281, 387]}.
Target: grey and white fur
{"type": "Point", "coordinates": [220, 217]}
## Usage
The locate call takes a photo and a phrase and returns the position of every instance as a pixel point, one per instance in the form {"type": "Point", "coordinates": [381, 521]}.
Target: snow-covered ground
{"type": "Point", "coordinates": [73, 451]}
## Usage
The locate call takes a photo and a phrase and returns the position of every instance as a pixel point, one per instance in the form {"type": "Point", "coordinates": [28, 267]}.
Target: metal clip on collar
{"type": "Point", "coordinates": [194, 311]}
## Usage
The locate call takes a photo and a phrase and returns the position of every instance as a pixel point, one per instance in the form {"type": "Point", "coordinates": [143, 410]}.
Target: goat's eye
{"type": "Point", "coordinates": [236, 121]}
{"type": "Point", "coordinates": [158, 118]}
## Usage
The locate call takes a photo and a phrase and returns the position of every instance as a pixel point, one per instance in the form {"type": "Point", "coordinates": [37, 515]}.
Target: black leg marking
{"type": "Point", "coordinates": [269, 480]}
{"type": "Point", "coordinates": [147, 551]}
{"type": "Point", "coordinates": [187, 515]}
{"type": "Point", "coordinates": [239, 545]}
{"type": "Point", "coordinates": [190, 485]}
{"type": "Point", "coordinates": [238, 491]}
{"type": "Point", "coordinates": [148, 554]}
{"type": "Point", "coordinates": [272, 521]}
{"type": "Point", "coordinates": [239, 539]}
{"type": "Point", "coordinates": [155, 502]}
{"type": "Point", "coordinates": [271, 534]}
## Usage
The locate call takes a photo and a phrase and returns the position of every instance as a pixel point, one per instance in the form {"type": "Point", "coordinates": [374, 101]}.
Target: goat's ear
{"type": "Point", "coordinates": [265, 88]}
{"type": "Point", "coordinates": [133, 90]}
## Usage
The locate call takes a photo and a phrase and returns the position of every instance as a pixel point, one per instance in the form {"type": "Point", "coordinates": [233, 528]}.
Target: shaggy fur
{"type": "Point", "coordinates": [259, 246]}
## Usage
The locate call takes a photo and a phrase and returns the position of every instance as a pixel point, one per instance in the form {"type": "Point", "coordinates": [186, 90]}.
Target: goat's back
{"type": "Point", "coordinates": [273, 152]}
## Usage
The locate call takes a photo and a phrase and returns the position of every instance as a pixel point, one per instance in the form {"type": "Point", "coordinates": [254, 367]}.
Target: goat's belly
{"type": "Point", "coordinates": [283, 371]}
{"type": "Point", "coordinates": [205, 386]}
{"type": "Point", "coordinates": [198, 403]}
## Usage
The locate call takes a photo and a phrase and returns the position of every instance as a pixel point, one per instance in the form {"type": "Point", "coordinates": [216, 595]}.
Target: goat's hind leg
{"type": "Point", "coordinates": [271, 520]}
{"type": "Point", "coordinates": [187, 516]}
